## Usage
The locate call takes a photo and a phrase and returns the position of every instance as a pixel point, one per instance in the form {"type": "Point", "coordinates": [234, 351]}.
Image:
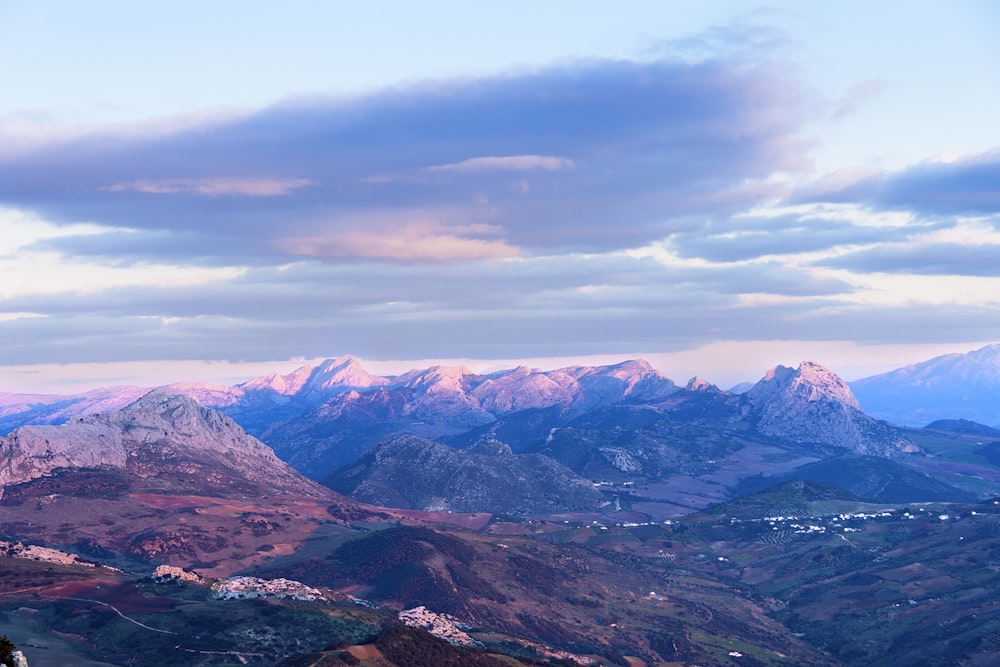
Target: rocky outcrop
{"type": "Point", "coordinates": [163, 441]}
{"type": "Point", "coordinates": [811, 404]}
{"type": "Point", "coordinates": [698, 383]}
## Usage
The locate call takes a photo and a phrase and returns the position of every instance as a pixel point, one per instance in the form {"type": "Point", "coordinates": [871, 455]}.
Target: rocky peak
{"type": "Point", "coordinates": [629, 380]}
{"type": "Point", "coordinates": [179, 416]}
{"type": "Point", "coordinates": [286, 385]}
{"type": "Point", "coordinates": [437, 379]}
{"type": "Point", "coordinates": [342, 373]}
{"type": "Point", "coordinates": [330, 376]}
{"type": "Point", "coordinates": [521, 389]}
{"type": "Point", "coordinates": [698, 383]}
{"type": "Point", "coordinates": [812, 404]}
{"type": "Point", "coordinates": [810, 382]}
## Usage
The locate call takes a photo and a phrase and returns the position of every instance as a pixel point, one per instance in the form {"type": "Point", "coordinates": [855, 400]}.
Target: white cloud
{"type": "Point", "coordinates": [20, 229]}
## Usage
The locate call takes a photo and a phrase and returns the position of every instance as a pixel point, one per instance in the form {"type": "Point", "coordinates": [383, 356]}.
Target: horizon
{"type": "Point", "coordinates": [718, 188]}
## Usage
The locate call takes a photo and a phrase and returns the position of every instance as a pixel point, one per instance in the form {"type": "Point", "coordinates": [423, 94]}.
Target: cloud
{"type": "Point", "coordinates": [597, 207]}
{"type": "Point", "coordinates": [858, 95]}
{"type": "Point", "coordinates": [957, 186]}
{"type": "Point", "coordinates": [589, 156]}
{"type": "Point", "coordinates": [215, 187]}
{"type": "Point", "coordinates": [743, 239]}
{"type": "Point", "coordinates": [608, 302]}
{"type": "Point", "coordinates": [941, 259]}
{"type": "Point", "coordinates": [419, 241]}
{"type": "Point", "coordinates": [507, 163]}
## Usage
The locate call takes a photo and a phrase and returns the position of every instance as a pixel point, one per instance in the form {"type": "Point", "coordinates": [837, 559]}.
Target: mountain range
{"type": "Point", "coordinates": [588, 515]}
{"type": "Point", "coordinates": [624, 423]}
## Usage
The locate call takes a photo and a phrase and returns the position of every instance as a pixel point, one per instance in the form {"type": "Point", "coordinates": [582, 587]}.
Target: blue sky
{"type": "Point", "coordinates": [210, 190]}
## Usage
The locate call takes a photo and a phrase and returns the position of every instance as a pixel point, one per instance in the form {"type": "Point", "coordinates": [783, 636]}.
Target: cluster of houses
{"type": "Point", "coordinates": [839, 522]}
{"type": "Point", "coordinates": [248, 588]}
{"type": "Point", "coordinates": [444, 626]}
{"type": "Point", "coordinates": [45, 555]}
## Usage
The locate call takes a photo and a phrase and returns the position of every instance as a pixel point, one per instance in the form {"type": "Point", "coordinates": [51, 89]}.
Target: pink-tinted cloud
{"type": "Point", "coordinates": [418, 241]}
{"type": "Point", "coordinates": [586, 157]}
{"type": "Point", "coordinates": [507, 163]}
{"type": "Point", "coordinates": [215, 187]}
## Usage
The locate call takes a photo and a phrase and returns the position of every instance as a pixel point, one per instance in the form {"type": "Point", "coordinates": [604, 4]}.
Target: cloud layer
{"type": "Point", "coordinates": [595, 207]}
{"type": "Point", "coordinates": [594, 156]}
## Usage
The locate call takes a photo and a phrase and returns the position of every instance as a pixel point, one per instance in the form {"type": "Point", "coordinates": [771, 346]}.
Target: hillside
{"type": "Point", "coordinates": [871, 479]}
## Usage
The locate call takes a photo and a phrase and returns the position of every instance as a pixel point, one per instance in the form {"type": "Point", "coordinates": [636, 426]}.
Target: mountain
{"type": "Point", "coordinates": [694, 438]}
{"type": "Point", "coordinates": [411, 472]}
{"type": "Point", "coordinates": [164, 480]}
{"type": "Point", "coordinates": [811, 404]}
{"type": "Point", "coordinates": [446, 401]}
{"type": "Point", "coordinates": [952, 386]}
{"type": "Point", "coordinates": [262, 402]}
{"type": "Point", "coordinates": [161, 440]}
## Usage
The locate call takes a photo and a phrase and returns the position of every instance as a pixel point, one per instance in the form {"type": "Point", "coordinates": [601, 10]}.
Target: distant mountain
{"type": "Point", "coordinates": [19, 409]}
{"type": "Point", "coordinates": [161, 442]}
{"type": "Point", "coordinates": [261, 403]}
{"type": "Point", "coordinates": [813, 405]}
{"type": "Point", "coordinates": [952, 386]}
{"type": "Point", "coordinates": [414, 473]}
{"type": "Point", "coordinates": [741, 388]}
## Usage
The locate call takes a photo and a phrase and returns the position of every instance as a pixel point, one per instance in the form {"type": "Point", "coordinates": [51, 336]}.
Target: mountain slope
{"type": "Point", "coordinates": [414, 473]}
{"type": "Point", "coordinates": [952, 386]}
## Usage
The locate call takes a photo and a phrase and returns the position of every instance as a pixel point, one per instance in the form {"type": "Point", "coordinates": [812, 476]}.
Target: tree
{"type": "Point", "coordinates": [7, 649]}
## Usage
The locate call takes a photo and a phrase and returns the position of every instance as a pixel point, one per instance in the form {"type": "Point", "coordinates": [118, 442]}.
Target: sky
{"type": "Point", "coordinates": [211, 191]}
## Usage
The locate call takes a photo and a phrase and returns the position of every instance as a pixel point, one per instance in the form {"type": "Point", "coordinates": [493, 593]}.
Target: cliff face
{"type": "Point", "coordinates": [811, 404]}
{"type": "Point", "coordinates": [166, 440]}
